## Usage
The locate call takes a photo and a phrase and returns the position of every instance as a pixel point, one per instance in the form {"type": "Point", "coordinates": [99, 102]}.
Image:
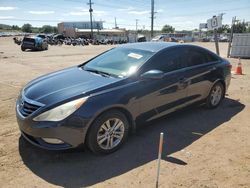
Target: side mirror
{"type": "Point", "coordinates": [153, 74]}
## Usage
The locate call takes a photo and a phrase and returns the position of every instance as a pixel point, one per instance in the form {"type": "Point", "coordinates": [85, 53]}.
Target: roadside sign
{"type": "Point", "coordinates": [214, 23]}
{"type": "Point", "coordinates": [203, 26]}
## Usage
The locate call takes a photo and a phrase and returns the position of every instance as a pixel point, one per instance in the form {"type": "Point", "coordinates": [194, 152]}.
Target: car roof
{"type": "Point", "coordinates": [150, 46]}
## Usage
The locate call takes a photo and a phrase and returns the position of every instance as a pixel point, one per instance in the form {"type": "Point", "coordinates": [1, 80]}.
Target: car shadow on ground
{"type": "Point", "coordinates": [82, 168]}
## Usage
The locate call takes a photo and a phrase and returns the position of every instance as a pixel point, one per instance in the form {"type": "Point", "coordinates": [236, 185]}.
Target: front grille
{"type": "Point", "coordinates": [27, 109]}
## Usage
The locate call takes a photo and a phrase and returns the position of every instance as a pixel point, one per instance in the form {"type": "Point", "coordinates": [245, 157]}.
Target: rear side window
{"type": "Point", "coordinates": [195, 56]}
{"type": "Point", "coordinates": [29, 40]}
{"type": "Point", "coordinates": [167, 61]}
{"type": "Point", "coordinates": [211, 58]}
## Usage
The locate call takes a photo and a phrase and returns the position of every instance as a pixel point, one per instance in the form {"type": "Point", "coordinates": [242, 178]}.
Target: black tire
{"type": "Point", "coordinates": [23, 49]}
{"type": "Point", "coordinates": [95, 128]}
{"type": "Point", "coordinates": [209, 101]}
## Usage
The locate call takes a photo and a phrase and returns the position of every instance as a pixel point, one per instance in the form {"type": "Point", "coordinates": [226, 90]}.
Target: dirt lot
{"type": "Point", "coordinates": [203, 148]}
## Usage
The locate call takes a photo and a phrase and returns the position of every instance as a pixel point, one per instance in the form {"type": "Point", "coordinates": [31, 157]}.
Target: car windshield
{"type": "Point", "coordinates": [120, 62]}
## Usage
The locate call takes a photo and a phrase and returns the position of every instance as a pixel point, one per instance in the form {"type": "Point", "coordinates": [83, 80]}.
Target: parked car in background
{"type": "Point", "coordinates": [224, 39]}
{"type": "Point", "coordinates": [141, 38]}
{"type": "Point", "coordinates": [204, 39]}
{"type": "Point", "coordinates": [34, 43]}
{"type": "Point", "coordinates": [166, 38]}
{"type": "Point", "coordinates": [59, 37]}
{"type": "Point", "coordinates": [100, 101]}
{"type": "Point", "coordinates": [43, 36]}
{"type": "Point", "coordinates": [158, 38]}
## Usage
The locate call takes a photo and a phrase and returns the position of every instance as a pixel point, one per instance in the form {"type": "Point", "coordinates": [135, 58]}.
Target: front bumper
{"type": "Point", "coordinates": [70, 131]}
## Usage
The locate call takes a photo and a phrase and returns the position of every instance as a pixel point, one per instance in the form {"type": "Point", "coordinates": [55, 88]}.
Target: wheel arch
{"type": "Point", "coordinates": [121, 109]}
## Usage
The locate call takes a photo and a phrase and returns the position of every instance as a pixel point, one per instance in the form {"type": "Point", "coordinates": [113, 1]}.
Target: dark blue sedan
{"type": "Point", "coordinates": [101, 100]}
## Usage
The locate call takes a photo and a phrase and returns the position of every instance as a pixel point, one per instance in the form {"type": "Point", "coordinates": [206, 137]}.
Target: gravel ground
{"type": "Point", "coordinates": [202, 148]}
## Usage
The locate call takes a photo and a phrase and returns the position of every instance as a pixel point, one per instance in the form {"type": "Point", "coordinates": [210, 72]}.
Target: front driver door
{"type": "Point", "coordinates": [159, 97]}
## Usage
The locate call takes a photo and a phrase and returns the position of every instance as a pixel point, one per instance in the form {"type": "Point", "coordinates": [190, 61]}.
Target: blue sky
{"type": "Point", "coordinates": [181, 14]}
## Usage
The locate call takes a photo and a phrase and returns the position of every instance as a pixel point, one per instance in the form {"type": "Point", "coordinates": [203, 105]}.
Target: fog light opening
{"type": "Point", "coordinates": [53, 141]}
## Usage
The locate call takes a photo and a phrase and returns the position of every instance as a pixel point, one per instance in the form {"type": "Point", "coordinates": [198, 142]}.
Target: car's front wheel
{"type": "Point", "coordinates": [108, 132]}
{"type": "Point", "coordinates": [216, 95]}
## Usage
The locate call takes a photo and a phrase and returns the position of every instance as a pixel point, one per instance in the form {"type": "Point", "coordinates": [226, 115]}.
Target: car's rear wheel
{"type": "Point", "coordinates": [216, 95]}
{"type": "Point", "coordinates": [108, 132]}
{"type": "Point", "coordinates": [23, 49]}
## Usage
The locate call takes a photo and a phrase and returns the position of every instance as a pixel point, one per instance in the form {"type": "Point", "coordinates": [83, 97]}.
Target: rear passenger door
{"type": "Point", "coordinates": [200, 71]}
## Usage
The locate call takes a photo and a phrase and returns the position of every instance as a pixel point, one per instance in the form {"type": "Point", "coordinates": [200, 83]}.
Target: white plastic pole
{"type": "Point", "coordinates": [159, 158]}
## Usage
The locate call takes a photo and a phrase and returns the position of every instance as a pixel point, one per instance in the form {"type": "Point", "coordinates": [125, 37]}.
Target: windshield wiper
{"type": "Point", "coordinates": [105, 74]}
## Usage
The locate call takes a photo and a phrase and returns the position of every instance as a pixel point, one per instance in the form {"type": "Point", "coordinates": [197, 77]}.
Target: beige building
{"type": "Point", "coordinates": [114, 34]}
{"type": "Point", "coordinates": [83, 29]}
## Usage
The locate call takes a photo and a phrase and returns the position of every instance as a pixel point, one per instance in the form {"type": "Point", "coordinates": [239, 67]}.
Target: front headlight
{"type": "Point", "coordinates": [61, 112]}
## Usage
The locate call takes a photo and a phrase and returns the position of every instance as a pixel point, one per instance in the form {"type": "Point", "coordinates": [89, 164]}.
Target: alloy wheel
{"type": "Point", "coordinates": [216, 95]}
{"type": "Point", "coordinates": [110, 133]}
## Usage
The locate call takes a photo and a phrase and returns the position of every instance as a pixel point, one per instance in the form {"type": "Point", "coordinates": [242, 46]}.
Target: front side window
{"type": "Point", "coordinates": [120, 62]}
{"type": "Point", "coordinates": [167, 61]}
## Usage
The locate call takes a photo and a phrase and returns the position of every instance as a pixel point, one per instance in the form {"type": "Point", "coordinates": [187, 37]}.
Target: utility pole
{"type": "Point", "coordinates": [216, 42]}
{"type": "Point", "coordinates": [152, 18]}
{"type": "Point", "coordinates": [216, 34]}
{"type": "Point", "coordinates": [231, 36]}
{"type": "Point", "coordinates": [90, 14]}
{"type": "Point", "coordinates": [136, 25]}
{"type": "Point", "coordinates": [115, 23]}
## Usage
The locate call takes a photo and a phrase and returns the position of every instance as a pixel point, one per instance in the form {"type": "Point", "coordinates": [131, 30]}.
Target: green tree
{"type": "Point", "coordinates": [224, 29]}
{"type": "Point", "coordinates": [15, 27]}
{"type": "Point", "coordinates": [240, 27]}
{"type": "Point", "coordinates": [27, 28]}
{"type": "Point", "coordinates": [167, 29]}
{"type": "Point", "coordinates": [47, 29]}
{"type": "Point", "coordinates": [248, 29]}
{"type": "Point", "coordinates": [55, 30]}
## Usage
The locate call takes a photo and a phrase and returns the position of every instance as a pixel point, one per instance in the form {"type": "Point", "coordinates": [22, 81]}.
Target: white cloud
{"type": "Point", "coordinates": [8, 8]}
{"type": "Point", "coordinates": [160, 10]}
{"type": "Point", "coordinates": [126, 9]}
{"type": "Point", "coordinates": [139, 12]}
{"type": "Point", "coordinates": [84, 12]}
{"type": "Point", "coordinates": [6, 17]}
{"type": "Point", "coordinates": [41, 12]}
{"type": "Point", "coordinates": [100, 13]}
{"type": "Point", "coordinates": [78, 13]}
{"type": "Point", "coordinates": [82, 9]}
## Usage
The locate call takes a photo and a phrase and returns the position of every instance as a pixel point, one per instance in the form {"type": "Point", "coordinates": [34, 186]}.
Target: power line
{"type": "Point", "coordinates": [210, 11]}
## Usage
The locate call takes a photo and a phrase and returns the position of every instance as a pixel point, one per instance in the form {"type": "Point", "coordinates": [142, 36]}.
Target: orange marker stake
{"type": "Point", "coordinates": [159, 159]}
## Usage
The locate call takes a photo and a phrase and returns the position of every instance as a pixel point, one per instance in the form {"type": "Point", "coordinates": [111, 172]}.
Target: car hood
{"type": "Point", "coordinates": [62, 85]}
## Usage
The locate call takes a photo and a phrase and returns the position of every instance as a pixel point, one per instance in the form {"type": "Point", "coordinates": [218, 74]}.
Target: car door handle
{"type": "Point", "coordinates": [183, 83]}
{"type": "Point", "coordinates": [212, 69]}
{"type": "Point", "coordinates": [183, 80]}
